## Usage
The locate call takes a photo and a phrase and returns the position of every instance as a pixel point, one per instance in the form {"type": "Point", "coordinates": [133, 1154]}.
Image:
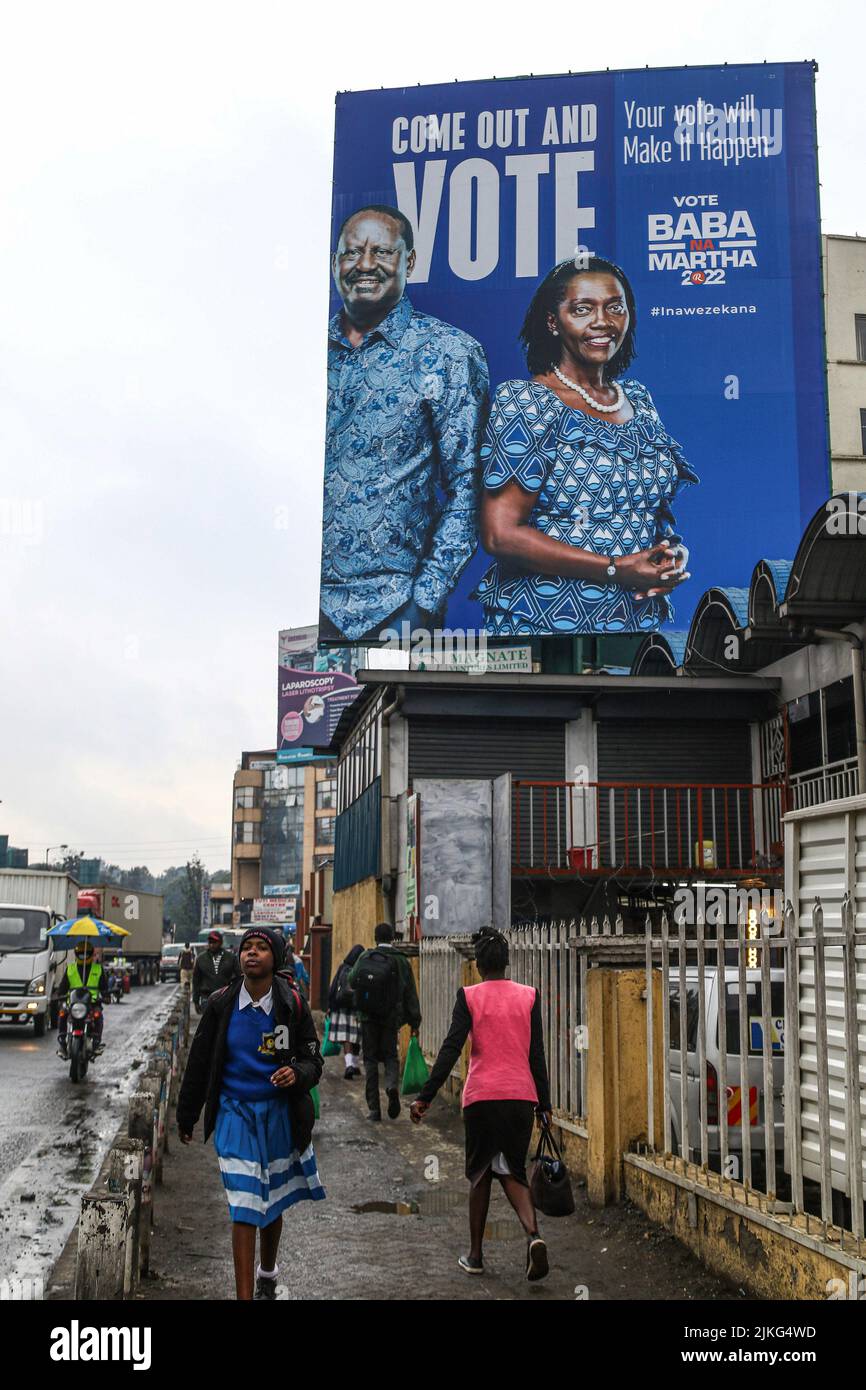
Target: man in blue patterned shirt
{"type": "Point", "coordinates": [407, 405]}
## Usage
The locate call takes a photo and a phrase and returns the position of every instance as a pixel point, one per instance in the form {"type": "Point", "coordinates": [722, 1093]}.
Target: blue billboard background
{"type": "Point", "coordinates": [741, 389]}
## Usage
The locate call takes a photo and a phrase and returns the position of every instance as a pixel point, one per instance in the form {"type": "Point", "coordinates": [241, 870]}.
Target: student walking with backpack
{"type": "Point", "coordinates": [344, 1021]}
{"type": "Point", "coordinates": [253, 1062]}
{"type": "Point", "coordinates": [386, 998]}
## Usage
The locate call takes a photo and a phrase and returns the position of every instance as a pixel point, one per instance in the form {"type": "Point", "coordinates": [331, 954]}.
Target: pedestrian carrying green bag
{"type": "Point", "coordinates": [329, 1049]}
{"type": "Point", "coordinates": [415, 1072]}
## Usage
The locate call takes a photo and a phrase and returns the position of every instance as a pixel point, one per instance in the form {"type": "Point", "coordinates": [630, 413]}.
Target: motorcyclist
{"type": "Point", "coordinates": [84, 972]}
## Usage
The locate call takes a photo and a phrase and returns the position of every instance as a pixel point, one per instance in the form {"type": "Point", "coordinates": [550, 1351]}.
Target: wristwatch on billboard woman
{"type": "Point", "coordinates": [611, 568]}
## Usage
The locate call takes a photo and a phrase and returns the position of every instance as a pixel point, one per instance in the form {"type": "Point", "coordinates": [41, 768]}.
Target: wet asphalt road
{"type": "Point", "coordinates": [54, 1134]}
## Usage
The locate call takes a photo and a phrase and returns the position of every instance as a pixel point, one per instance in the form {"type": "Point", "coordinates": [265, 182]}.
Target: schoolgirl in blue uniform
{"type": "Point", "coordinates": [253, 1062]}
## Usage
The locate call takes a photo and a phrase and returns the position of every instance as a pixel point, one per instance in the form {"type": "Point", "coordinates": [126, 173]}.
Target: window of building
{"type": "Point", "coordinates": [247, 832]}
{"type": "Point", "coordinates": [361, 761]}
{"type": "Point", "coordinates": [284, 778]}
{"type": "Point", "coordinates": [860, 334]}
{"type": "Point", "coordinates": [246, 798]}
{"type": "Point", "coordinates": [325, 830]}
{"type": "Point", "coordinates": [326, 794]}
{"type": "Point", "coordinates": [292, 797]}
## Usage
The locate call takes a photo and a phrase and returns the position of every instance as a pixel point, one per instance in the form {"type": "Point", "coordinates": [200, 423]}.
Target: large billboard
{"type": "Point", "coordinates": [313, 689]}
{"type": "Point", "coordinates": [575, 352]}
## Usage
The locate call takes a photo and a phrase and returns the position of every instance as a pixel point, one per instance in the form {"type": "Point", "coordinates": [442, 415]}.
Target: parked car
{"type": "Point", "coordinates": [169, 963]}
{"type": "Point", "coordinates": [755, 1071]}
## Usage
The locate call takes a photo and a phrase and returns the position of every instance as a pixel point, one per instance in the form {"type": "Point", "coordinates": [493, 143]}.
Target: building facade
{"type": "Point", "coordinates": [283, 827]}
{"type": "Point", "coordinates": [505, 799]}
{"type": "Point", "coordinates": [845, 325]}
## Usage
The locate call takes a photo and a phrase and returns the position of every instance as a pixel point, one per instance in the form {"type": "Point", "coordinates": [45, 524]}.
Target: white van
{"type": "Point", "coordinates": [755, 1072]}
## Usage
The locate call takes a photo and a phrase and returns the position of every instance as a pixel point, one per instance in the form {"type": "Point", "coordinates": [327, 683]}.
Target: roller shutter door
{"type": "Point", "coordinates": [674, 750]}
{"type": "Point", "coordinates": [527, 748]}
{"type": "Point", "coordinates": [649, 826]}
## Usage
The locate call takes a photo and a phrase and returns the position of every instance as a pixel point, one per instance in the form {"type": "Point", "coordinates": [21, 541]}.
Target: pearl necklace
{"type": "Point", "coordinates": [574, 386]}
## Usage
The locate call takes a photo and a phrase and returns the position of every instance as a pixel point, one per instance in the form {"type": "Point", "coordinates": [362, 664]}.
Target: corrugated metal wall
{"type": "Point", "coordinates": [824, 856]}
{"type": "Point", "coordinates": [529, 748]}
{"type": "Point", "coordinates": [357, 838]}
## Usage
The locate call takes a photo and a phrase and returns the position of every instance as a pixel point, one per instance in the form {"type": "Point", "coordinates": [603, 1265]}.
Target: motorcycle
{"type": "Point", "coordinates": [115, 988]}
{"type": "Point", "coordinates": [80, 1032]}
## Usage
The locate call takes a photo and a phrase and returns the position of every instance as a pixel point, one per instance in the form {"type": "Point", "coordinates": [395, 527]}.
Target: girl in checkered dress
{"type": "Point", "coordinates": [345, 1023]}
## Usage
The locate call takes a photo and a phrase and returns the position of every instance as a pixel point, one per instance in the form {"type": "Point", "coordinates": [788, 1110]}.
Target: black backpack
{"type": "Point", "coordinates": [344, 995]}
{"type": "Point", "coordinates": [377, 985]}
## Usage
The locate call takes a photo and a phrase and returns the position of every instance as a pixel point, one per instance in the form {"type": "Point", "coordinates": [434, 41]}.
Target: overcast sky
{"type": "Point", "coordinates": [164, 221]}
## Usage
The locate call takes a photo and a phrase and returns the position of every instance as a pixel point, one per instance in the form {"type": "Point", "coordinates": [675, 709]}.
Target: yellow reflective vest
{"type": "Point", "coordinates": [94, 976]}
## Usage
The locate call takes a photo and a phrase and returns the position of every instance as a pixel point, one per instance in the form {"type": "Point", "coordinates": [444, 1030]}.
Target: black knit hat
{"type": "Point", "coordinates": [272, 938]}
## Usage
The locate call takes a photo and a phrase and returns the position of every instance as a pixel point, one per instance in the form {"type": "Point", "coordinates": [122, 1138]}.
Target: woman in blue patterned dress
{"type": "Point", "coordinates": [579, 473]}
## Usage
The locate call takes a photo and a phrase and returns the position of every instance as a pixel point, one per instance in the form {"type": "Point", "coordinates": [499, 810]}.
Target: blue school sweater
{"type": "Point", "coordinates": [249, 1061]}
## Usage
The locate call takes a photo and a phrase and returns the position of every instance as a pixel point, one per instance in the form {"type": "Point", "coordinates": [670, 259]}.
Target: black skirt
{"type": "Point", "coordinates": [498, 1126]}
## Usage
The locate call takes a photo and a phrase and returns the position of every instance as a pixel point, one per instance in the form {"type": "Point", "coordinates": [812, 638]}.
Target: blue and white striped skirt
{"type": "Point", "coordinates": [262, 1171]}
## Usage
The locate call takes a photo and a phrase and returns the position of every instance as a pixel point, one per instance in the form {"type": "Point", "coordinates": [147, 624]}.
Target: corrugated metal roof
{"type": "Point", "coordinates": [780, 570]}
{"type": "Point", "coordinates": [721, 613]}
{"type": "Point", "coordinates": [828, 576]}
{"type": "Point", "coordinates": [658, 651]}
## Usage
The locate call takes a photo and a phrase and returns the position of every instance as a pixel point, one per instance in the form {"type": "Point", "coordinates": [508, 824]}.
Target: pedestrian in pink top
{"type": "Point", "coordinates": [506, 1086]}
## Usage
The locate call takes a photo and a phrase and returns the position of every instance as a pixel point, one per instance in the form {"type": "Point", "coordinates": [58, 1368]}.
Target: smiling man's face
{"type": "Point", "coordinates": [370, 266]}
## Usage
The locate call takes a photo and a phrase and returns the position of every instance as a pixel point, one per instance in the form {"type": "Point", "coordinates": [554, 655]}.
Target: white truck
{"type": "Point", "coordinates": [32, 972]}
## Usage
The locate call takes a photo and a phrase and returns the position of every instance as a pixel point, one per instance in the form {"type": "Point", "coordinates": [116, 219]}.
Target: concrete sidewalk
{"type": "Point", "coordinates": [333, 1250]}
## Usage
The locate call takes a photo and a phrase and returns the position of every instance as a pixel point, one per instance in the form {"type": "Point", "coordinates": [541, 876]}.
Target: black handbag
{"type": "Point", "coordinates": [549, 1180]}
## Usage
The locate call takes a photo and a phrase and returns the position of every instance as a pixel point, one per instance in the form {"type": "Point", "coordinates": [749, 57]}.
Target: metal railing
{"type": "Point", "coordinates": [763, 1063]}
{"type": "Point", "coordinates": [642, 827]}
{"type": "Point", "coordinates": [541, 956]}
{"type": "Point", "coordinates": [820, 784]}
{"type": "Point", "coordinates": [441, 975]}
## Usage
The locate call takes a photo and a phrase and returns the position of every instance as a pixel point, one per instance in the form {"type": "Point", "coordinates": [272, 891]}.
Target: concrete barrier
{"type": "Point", "coordinates": [156, 1072]}
{"type": "Point", "coordinates": [114, 1229]}
{"type": "Point", "coordinates": [143, 1122]}
{"type": "Point", "coordinates": [125, 1175]}
{"type": "Point", "coordinates": [102, 1240]}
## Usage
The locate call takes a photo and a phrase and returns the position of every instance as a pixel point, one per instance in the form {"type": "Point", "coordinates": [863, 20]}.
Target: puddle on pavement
{"type": "Point", "coordinates": [387, 1208]}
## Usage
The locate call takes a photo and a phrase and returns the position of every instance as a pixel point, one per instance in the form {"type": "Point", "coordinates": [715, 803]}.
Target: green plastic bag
{"type": "Point", "coordinates": [416, 1071]}
{"type": "Point", "coordinates": [329, 1049]}
{"type": "Point", "coordinates": [315, 1095]}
